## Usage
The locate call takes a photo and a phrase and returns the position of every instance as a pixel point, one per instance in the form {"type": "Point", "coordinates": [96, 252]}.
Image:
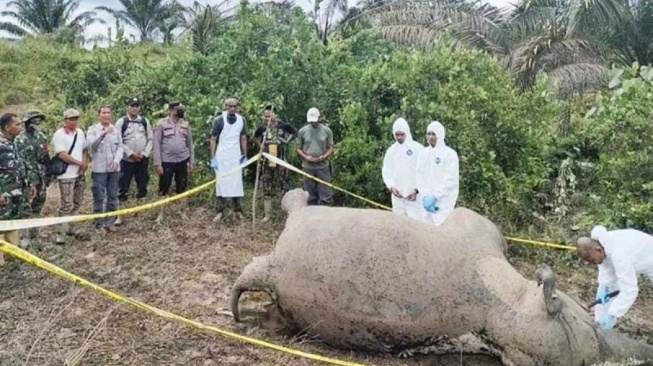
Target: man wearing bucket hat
{"type": "Point", "coordinates": [33, 148]}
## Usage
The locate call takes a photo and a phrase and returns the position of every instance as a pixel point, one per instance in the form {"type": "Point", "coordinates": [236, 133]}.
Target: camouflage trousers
{"type": "Point", "coordinates": [273, 178]}
{"type": "Point", "coordinates": [72, 194]}
{"type": "Point", "coordinates": [36, 206]}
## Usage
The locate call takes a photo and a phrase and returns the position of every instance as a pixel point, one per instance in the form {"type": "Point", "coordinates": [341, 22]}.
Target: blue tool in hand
{"type": "Point", "coordinates": [243, 159]}
{"type": "Point", "coordinates": [603, 297]}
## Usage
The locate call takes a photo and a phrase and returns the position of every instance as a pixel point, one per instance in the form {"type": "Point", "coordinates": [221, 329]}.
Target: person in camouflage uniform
{"type": "Point", "coordinates": [15, 192]}
{"type": "Point", "coordinates": [273, 135]}
{"type": "Point", "coordinates": [33, 148]}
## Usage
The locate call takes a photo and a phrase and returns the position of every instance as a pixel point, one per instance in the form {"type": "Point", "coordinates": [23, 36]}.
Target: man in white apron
{"type": "Point", "coordinates": [228, 150]}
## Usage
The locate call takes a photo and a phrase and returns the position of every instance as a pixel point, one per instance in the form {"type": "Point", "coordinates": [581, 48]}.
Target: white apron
{"type": "Point", "coordinates": [228, 155]}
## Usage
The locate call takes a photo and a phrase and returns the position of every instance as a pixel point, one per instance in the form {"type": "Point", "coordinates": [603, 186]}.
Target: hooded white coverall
{"type": "Point", "coordinates": [437, 175]}
{"type": "Point", "coordinates": [628, 254]}
{"type": "Point", "coordinates": [398, 171]}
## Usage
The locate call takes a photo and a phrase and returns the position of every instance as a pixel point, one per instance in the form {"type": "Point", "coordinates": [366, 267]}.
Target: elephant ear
{"type": "Point", "coordinates": [546, 278]}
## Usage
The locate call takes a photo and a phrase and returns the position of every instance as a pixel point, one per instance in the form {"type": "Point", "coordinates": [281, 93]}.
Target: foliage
{"type": "Point", "coordinates": [45, 16]}
{"type": "Point", "coordinates": [520, 163]}
{"type": "Point", "coordinates": [619, 127]}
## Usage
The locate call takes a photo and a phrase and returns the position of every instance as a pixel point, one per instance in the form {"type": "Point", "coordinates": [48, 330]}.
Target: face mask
{"type": "Point", "coordinates": [181, 112]}
{"type": "Point", "coordinates": [33, 127]}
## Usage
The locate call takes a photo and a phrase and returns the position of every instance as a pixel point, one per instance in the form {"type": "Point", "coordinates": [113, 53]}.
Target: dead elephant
{"type": "Point", "coordinates": [372, 280]}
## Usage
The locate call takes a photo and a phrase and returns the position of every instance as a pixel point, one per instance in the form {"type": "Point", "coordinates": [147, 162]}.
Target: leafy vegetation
{"type": "Point", "coordinates": [521, 164]}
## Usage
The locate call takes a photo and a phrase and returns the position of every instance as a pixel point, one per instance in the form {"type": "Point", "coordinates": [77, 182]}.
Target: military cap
{"type": "Point", "coordinates": [33, 113]}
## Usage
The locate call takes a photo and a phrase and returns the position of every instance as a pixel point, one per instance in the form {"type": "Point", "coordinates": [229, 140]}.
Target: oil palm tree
{"type": "Point", "coordinates": [202, 23]}
{"type": "Point", "coordinates": [538, 37]}
{"type": "Point", "coordinates": [45, 16]}
{"type": "Point", "coordinates": [147, 16]}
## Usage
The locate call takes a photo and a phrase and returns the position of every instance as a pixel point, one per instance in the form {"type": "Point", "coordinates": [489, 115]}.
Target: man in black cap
{"type": "Point", "coordinates": [137, 140]}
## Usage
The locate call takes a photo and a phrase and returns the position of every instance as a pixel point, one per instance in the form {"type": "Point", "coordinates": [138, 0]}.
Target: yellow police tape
{"type": "Point", "coordinates": [11, 225]}
{"type": "Point", "coordinates": [540, 243]}
{"type": "Point", "coordinates": [296, 170]}
{"type": "Point", "coordinates": [38, 262]}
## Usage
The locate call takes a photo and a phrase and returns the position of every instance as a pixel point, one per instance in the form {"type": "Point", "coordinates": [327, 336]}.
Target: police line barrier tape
{"type": "Point", "coordinates": [296, 170]}
{"type": "Point", "coordinates": [540, 243]}
{"type": "Point", "coordinates": [20, 224]}
{"type": "Point", "coordinates": [38, 262]}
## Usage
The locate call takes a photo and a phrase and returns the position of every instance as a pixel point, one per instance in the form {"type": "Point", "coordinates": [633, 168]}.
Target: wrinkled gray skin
{"type": "Point", "coordinates": [372, 280]}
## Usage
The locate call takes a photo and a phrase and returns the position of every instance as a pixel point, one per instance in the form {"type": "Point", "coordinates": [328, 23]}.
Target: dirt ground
{"type": "Point", "coordinates": [185, 265]}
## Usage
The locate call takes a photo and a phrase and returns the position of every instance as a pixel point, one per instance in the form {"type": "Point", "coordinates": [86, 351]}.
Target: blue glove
{"type": "Point", "coordinates": [430, 204]}
{"type": "Point", "coordinates": [214, 163]}
{"type": "Point", "coordinates": [602, 295]}
{"type": "Point", "coordinates": [243, 159]}
{"type": "Point", "coordinates": [607, 321]}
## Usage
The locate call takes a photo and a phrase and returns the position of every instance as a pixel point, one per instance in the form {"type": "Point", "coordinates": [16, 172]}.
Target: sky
{"type": "Point", "coordinates": [100, 29]}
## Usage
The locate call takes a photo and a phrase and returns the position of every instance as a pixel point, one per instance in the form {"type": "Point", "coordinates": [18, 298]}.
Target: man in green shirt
{"type": "Point", "coordinates": [315, 148]}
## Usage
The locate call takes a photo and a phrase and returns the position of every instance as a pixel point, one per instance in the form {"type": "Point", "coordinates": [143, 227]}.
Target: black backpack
{"type": "Point", "coordinates": [126, 122]}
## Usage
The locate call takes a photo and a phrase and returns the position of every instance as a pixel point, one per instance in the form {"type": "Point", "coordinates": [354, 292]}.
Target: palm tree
{"type": "Point", "coordinates": [147, 16]}
{"type": "Point", "coordinates": [325, 12]}
{"type": "Point", "coordinates": [167, 26]}
{"type": "Point", "coordinates": [45, 16]}
{"type": "Point", "coordinates": [203, 23]}
{"type": "Point", "coordinates": [538, 37]}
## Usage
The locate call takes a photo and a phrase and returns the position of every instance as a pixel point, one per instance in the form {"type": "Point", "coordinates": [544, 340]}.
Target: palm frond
{"type": "Point", "coordinates": [13, 29]}
{"type": "Point", "coordinates": [471, 25]}
{"type": "Point", "coordinates": [606, 12]}
{"type": "Point", "coordinates": [579, 78]}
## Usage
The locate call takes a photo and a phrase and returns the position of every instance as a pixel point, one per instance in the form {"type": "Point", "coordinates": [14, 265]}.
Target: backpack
{"type": "Point", "coordinates": [126, 122]}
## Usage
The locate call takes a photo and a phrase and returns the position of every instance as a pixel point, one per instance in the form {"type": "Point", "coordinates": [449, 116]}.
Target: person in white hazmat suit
{"type": "Point", "coordinates": [398, 171]}
{"type": "Point", "coordinates": [437, 176]}
{"type": "Point", "coordinates": [621, 256]}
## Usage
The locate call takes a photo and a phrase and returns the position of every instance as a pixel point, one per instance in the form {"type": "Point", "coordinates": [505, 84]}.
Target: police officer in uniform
{"type": "Point", "coordinates": [174, 156]}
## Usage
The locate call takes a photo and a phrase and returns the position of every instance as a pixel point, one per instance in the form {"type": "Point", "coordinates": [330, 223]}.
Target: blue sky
{"type": "Point", "coordinates": [99, 29]}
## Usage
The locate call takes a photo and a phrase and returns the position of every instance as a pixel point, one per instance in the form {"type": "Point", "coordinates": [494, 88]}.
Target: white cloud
{"type": "Point", "coordinates": [102, 29]}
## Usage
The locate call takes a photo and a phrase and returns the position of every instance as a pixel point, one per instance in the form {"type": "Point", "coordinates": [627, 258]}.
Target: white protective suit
{"type": "Point", "coordinates": [628, 254]}
{"type": "Point", "coordinates": [398, 171]}
{"type": "Point", "coordinates": [437, 175]}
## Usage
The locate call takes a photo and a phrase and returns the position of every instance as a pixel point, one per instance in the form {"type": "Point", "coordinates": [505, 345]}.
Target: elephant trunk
{"type": "Point", "coordinates": [618, 347]}
{"type": "Point", "coordinates": [255, 277]}
{"type": "Point", "coordinates": [233, 301]}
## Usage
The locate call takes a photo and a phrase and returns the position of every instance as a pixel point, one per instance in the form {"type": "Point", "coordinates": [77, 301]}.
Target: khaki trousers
{"type": "Point", "coordinates": [12, 237]}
